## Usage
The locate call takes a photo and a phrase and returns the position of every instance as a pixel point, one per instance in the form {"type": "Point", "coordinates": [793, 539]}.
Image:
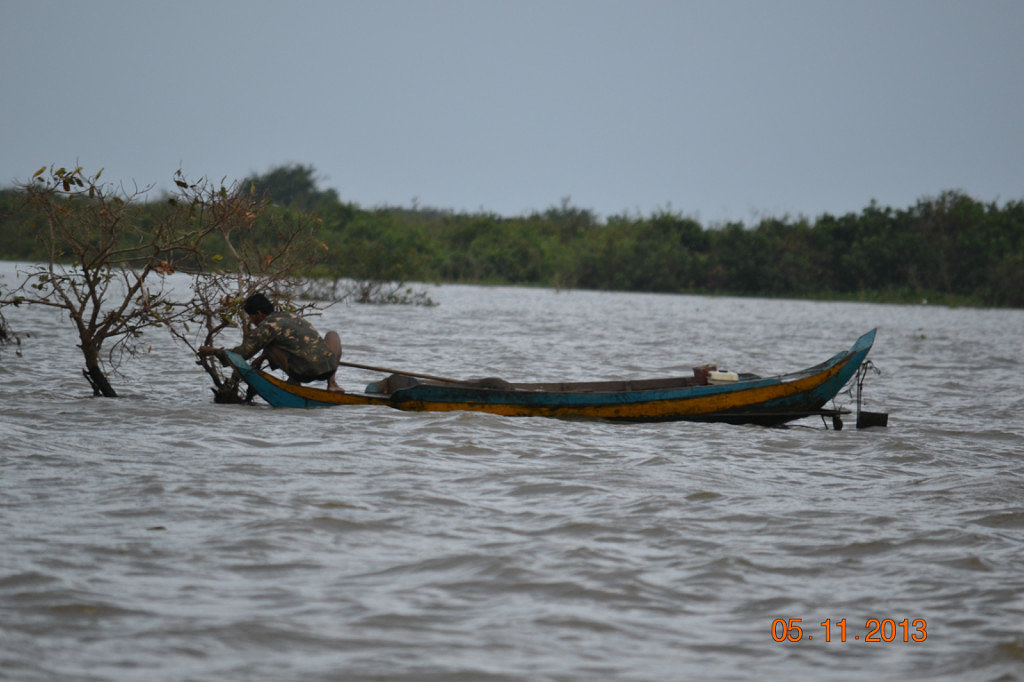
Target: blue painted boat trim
{"type": "Point", "coordinates": [269, 391]}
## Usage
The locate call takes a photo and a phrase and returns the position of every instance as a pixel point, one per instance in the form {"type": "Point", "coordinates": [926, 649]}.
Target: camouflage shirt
{"type": "Point", "coordinates": [308, 354]}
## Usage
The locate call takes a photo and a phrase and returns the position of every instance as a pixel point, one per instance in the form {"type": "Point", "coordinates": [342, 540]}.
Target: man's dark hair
{"type": "Point", "coordinates": [258, 303]}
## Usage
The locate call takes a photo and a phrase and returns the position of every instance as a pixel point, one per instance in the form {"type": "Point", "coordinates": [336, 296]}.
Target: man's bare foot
{"type": "Point", "coordinates": [334, 388]}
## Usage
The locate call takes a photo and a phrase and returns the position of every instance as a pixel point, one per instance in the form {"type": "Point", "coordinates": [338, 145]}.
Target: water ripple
{"type": "Point", "coordinates": [159, 536]}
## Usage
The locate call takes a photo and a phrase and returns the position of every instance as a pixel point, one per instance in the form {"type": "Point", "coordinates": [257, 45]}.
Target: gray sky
{"type": "Point", "coordinates": [722, 110]}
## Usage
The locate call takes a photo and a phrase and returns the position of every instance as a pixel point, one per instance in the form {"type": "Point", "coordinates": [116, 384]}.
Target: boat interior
{"type": "Point", "coordinates": [398, 382]}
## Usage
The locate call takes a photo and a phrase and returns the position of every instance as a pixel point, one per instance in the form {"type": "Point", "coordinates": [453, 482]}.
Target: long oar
{"type": "Point", "coordinates": [402, 372]}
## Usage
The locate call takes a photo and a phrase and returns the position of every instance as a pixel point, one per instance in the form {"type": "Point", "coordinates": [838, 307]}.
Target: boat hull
{"type": "Point", "coordinates": [768, 401]}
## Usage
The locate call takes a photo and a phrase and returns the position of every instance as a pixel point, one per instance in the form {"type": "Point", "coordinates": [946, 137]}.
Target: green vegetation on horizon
{"type": "Point", "coordinates": [949, 248]}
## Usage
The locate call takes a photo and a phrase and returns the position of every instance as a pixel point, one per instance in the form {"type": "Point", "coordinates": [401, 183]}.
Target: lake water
{"type": "Point", "coordinates": [162, 537]}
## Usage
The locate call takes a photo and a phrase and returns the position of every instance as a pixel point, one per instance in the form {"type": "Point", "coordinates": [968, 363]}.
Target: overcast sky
{"type": "Point", "coordinates": [721, 110]}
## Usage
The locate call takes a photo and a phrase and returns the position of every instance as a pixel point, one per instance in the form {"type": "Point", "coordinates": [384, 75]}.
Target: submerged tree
{"type": "Point", "coordinates": [108, 255]}
{"type": "Point", "coordinates": [5, 330]}
{"type": "Point", "coordinates": [261, 254]}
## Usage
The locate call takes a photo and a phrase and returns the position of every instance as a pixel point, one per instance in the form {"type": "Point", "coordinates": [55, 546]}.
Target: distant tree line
{"type": "Point", "coordinates": [949, 248]}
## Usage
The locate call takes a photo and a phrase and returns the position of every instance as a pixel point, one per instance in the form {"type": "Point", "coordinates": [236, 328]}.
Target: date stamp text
{"type": "Point", "coordinates": [878, 630]}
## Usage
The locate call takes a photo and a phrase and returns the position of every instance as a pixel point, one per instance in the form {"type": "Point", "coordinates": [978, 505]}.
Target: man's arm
{"type": "Point", "coordinates": [252, 344]}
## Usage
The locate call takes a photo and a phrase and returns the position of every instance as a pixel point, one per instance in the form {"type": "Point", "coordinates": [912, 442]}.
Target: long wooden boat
{"type": "Point", "coordinates": [740, 399]}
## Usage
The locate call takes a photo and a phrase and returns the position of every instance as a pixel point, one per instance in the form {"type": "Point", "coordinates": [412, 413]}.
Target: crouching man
{"type": "Point", "coordinates": [289, 343]}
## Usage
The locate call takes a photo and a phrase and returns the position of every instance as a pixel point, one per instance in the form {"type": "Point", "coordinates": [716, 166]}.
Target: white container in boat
{"type": "Point", "coordinates": [722, 377]}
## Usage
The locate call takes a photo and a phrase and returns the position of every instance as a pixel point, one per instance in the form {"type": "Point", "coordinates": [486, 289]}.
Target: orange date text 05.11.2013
{"type": "Point", "coordinates": [875, 630]}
